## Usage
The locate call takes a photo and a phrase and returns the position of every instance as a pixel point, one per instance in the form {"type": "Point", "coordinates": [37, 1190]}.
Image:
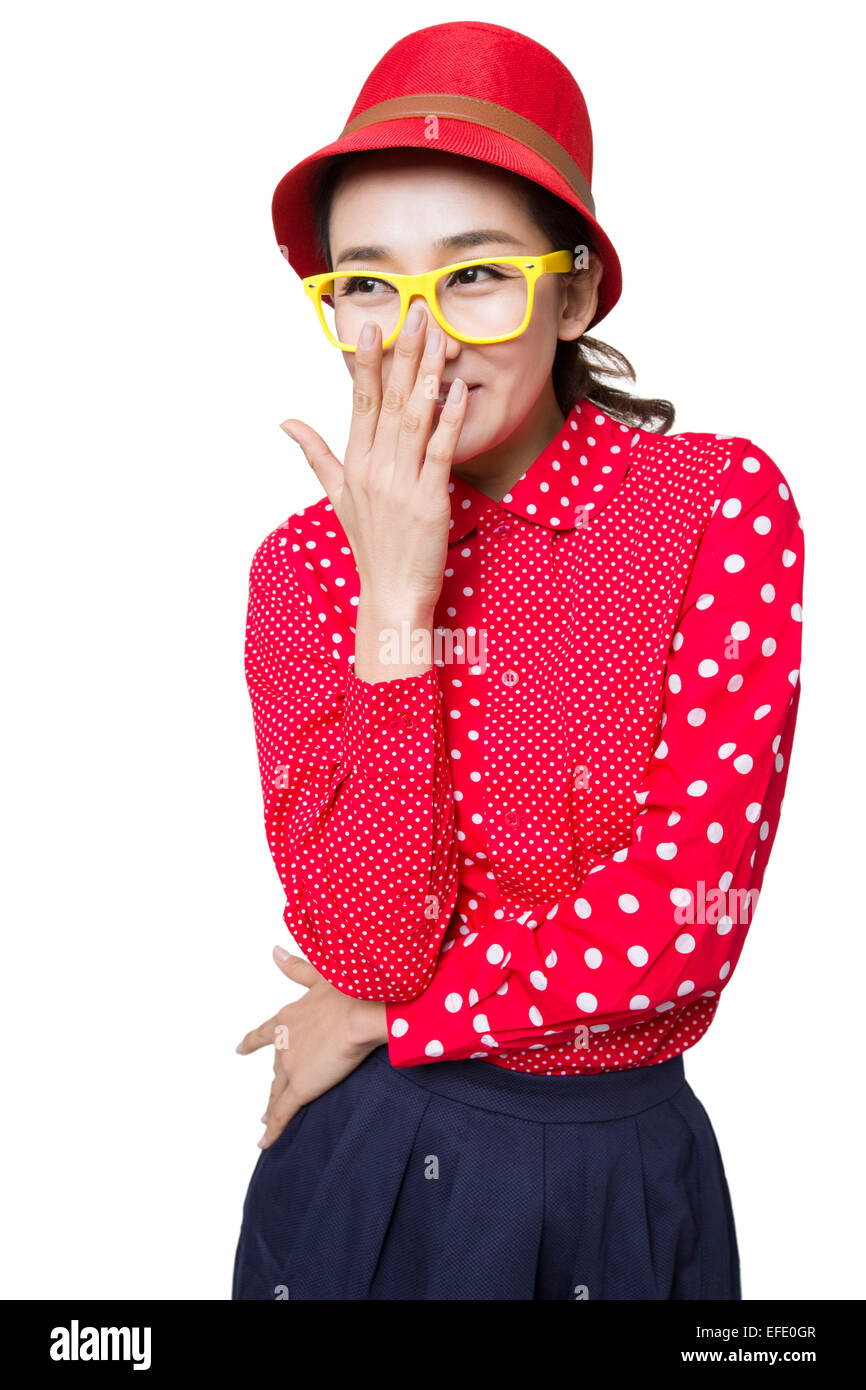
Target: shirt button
{"type": "Point", "coordinates": [510, 677]}
{"type": "Point", "coordinates": [502, 528]}
{"type": "Point", "coordinates": [403, 721]}
{"type": "Point", "coordinates": [513, 817]}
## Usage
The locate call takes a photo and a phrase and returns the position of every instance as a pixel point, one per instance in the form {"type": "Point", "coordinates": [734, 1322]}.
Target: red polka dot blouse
{"type": "Point", "coordinates": [546, 850]}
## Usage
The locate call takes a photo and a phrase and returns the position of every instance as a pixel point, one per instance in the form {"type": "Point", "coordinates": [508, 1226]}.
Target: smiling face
{"type": "Point", "coordinates": [410, 211]}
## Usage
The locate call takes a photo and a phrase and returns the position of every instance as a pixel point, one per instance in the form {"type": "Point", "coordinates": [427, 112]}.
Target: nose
{"type": "Point", "coordinates": [452, 345]}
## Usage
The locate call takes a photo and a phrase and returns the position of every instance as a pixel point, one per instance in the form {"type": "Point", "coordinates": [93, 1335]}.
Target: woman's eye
{"type": "Point", "coordinates": [475, 275]}
{"type": "Point", "coordinates": [362, 284]}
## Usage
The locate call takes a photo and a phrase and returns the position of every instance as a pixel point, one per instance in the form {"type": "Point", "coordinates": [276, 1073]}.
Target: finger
{"type": "Point", "coordinates": [443, 441]}
{"type": "Point", "coordinates": [407, 352]}
{"type": "Point", "coordinates": [324, 464]}
{"type": "Point", "coordinates": [366, 395]}
{"type": "Point", "coordinates": [258, 1037]}
{"type": "Point", "coordinates": [278, 1085]}
{"type": "Point", "coordinates": [418, 413]}
{"type": "Point", "coordinates": [284, 1109]}
{"type": "Point", "coordinates": [295, 967]}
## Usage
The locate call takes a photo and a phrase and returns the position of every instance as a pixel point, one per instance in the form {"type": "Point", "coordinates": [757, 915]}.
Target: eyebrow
{"type": "Point", "coordinates": [460, 241]}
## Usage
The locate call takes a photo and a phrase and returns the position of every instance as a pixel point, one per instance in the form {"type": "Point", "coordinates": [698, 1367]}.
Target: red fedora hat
{"type": "Point", "coordinates": [497, 96]}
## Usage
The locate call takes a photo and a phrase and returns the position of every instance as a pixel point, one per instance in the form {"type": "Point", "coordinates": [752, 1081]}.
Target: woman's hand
{"type": "Point", "coordinates": [319, 1039]}
{"type": "Point", "coordinates": [391, 493]}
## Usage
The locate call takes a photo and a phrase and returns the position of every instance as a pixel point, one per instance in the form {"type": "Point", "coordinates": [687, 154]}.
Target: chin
{"type": "Point", "coordinates": [477, 436]}
{"type": "Point", "coordinates": [471, 443]}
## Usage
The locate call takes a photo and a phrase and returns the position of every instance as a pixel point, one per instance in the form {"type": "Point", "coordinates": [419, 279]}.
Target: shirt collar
{"type": "Point", "coordinates": [566, 486]}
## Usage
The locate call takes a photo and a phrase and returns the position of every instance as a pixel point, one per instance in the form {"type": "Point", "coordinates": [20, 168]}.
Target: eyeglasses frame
{"type": "Point", "coordinates": [410, 286]}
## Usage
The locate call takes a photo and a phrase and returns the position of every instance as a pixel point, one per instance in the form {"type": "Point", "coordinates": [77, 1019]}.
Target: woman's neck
{"type": "Point", "coordinates": [497, 470]}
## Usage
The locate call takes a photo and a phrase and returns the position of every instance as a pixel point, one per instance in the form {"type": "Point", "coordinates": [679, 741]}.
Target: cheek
{"type": "Point", "coordinates": [529, 358]}
{"type": "Point", "coordinates": [518, 369]}
{"type": "Point", "coordinates": [544, 324]}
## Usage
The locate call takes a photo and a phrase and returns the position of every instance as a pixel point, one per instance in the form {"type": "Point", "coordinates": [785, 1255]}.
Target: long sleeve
{"type": "Point", "coordinates": [358, 802]}
{"type": "Point", "coordinates": [663, 920]}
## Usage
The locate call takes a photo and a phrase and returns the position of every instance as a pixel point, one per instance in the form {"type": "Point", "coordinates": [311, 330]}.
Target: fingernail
{"type": "Point", "coordinates": [263, 1142]}
{"type": "Point", "coordinates": [457, 390]}
{"type": "Point", "coordinates": [281, 953]}
{"type": "Point", "coordinates": [368, 336]}
{"type": "Point", "coordinates": [264, 1119]}
{"type": "Point", "coordinates": [286, 428]}
{"type": "Point", "coordinates": [415, 318]}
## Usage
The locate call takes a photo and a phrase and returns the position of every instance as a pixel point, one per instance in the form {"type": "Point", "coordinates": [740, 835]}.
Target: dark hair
{"type": "Point", "coordinates": [583, 368]}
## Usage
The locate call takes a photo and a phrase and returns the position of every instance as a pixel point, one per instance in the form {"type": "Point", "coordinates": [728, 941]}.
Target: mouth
{"type": "Point", "coordinates": [443, 394]}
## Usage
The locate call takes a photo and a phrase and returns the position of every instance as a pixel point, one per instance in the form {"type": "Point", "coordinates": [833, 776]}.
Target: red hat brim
{"type": "Point", "coordinates": [292, 206]}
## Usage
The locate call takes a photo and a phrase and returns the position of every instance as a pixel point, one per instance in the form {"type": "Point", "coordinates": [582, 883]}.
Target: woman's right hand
{"type": "Point", "coordinates": [390, 494]}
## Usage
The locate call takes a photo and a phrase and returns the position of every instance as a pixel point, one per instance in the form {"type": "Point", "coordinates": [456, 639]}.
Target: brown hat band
{"type": "Point", "coordinates": [486, 113]}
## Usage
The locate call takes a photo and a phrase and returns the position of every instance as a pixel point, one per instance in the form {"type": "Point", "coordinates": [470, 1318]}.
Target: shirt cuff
{"type": "Point", "coordinates": [412, 1041]}
{"type": "Point", "coordinates": [389, 728]}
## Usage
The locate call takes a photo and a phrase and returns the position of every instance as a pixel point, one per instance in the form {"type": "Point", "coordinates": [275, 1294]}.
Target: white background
{"type": "Point", "coordinates": [154, 339]}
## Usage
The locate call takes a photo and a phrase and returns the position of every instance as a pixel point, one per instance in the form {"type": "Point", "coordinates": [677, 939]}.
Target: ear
{"type": "Point", "coordinates": [579, 298]}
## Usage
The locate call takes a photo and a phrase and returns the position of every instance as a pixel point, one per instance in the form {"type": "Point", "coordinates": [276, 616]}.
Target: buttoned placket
{"type": "Point", "coordinates": [502, 840]}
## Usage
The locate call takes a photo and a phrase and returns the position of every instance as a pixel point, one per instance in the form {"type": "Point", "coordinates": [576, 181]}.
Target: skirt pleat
{"type": "Point", "coordinates": [464, 1181]}
{"type": "Point", "coordinates": [469, 1200]}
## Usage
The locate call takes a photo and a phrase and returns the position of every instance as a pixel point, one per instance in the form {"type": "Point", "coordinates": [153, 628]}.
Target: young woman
{"type": "Point", "coordinates": [525, 685]}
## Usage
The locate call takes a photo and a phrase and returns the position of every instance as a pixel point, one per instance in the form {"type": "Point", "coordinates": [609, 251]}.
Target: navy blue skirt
{"type": "Point", "coordinates": [459, 1180]}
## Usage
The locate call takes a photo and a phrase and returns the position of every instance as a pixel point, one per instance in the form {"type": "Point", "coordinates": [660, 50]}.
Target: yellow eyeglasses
{"type": "Point", "coordinates": [482, 301]}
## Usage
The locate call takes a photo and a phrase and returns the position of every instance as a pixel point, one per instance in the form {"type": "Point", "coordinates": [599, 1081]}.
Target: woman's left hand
{"type": "Point", "coordinates": [317, 1040]}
